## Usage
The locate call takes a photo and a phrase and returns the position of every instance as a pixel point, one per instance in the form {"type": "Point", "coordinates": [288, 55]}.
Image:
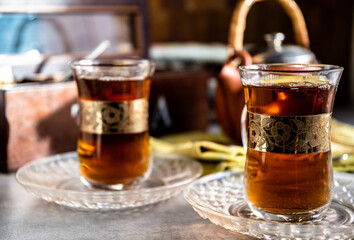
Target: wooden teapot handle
{"type": "Point", "coordinates": [238, 22]}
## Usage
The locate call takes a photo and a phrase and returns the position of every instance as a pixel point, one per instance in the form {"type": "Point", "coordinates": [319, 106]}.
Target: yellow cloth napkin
{"type": "Point", "coordinates": [342, 138]}
{"type": "Point", "coordinates": [213, 156]}
{"type": "Point", "coordinates": [221, 157]}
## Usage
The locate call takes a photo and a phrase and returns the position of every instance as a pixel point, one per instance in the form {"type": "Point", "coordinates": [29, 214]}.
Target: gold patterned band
{"type": "Point", "coordinates": [289, 134]}
{"type": "Point", "coordinates": [112, 117]}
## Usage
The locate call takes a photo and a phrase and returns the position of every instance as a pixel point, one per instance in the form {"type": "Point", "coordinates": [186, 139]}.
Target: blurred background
{"type": "Point", "coordinates": [188, 39]}
{"type": "Point", "coordinates": [205, 23]}
{"type": "Point", "coordinates": [330, 26]}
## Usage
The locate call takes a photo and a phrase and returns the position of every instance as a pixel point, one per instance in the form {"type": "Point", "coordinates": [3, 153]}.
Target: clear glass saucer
{"type": "Point", "coordinates": [57, 179]}
{"type": "Point", "coordinates": [220, 198]}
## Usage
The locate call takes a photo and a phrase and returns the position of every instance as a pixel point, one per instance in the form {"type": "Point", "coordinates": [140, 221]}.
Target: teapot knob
{"type": "Point", "coordinates": [274, 40]}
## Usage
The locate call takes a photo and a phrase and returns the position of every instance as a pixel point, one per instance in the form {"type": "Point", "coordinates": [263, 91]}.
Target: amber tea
{"type": "Point", "coordinates": [113, 145]}
{"type": "Point", "coordinates": [295, 182]}
{"type": "Point", "coordinates": [288, 172]}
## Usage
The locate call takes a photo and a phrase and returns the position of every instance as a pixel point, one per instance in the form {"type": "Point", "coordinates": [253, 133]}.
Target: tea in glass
{"type": "Point", "coordinates": [113, 145]}
{"type": "Point", "coordinates": [288, 171]}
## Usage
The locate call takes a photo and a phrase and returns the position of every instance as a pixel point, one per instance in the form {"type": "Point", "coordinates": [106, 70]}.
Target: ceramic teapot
{"type": "Point", "coordinates": [229, 97]}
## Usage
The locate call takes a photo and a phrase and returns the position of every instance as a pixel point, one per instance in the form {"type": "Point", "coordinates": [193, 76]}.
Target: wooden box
{"type": "Point", "coordinates": [35, 121]}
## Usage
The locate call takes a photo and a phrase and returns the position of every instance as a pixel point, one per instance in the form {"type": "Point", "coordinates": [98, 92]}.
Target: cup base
{"type": "Point", "coordinates": [295, 217]}
{"type": "Point", "coordinates": [127, 185]}
{"type": "Point", "coordinates": [117, 186]}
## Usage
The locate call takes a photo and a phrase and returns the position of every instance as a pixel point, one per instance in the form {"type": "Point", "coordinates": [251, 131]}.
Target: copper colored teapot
{"type": "Point", "coordinates": [229, 97]}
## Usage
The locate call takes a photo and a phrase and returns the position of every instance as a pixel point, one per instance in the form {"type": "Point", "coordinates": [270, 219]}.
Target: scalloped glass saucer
{"type": "Point", "coordinates": [220, 198]}
{"type": "Point", "coordinates": [57, 179]}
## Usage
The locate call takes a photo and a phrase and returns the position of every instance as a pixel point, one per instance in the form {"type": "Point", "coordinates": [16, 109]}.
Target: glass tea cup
{"type": "Point", "coordinates": [113, 143]}
{"type": "Point", "coordinates": [288, 171]}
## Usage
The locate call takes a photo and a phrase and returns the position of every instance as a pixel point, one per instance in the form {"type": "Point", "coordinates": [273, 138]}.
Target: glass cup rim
{"type": "Point", "coordinates": [115, 63]}
{"type": "Point", "coordinates": [291, 68]}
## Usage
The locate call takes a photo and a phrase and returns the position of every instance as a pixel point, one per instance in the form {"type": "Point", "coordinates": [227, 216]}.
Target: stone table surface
{"type": "Point", "coordinates": [23, 216]}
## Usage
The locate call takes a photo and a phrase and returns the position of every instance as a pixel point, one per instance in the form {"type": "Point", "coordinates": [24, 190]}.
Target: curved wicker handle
{"type": "Point", "coordinates": [238, 22]}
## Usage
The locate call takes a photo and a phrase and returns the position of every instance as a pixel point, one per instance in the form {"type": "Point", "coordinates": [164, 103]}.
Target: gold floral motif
{"type": "Point", "coordinates": [106, 117]}
{"type": "Point", "coordinates": [289, 134]}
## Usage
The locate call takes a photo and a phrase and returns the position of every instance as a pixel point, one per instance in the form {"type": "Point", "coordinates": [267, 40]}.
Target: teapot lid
{"type": "Point", "coordinates": [275, 52]}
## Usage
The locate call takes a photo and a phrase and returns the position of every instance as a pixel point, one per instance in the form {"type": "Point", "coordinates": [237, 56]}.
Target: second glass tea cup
{"type": "Point", "coordinates": [288, 171]}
